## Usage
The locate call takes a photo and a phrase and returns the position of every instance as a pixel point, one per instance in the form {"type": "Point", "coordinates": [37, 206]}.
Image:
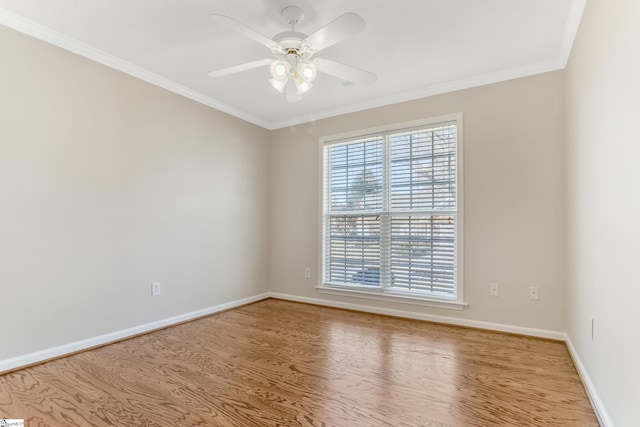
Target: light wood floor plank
{"type": "Point", "coordinates": [279, 363]}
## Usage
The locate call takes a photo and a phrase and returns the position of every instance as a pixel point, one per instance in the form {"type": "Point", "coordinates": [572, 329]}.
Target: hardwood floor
{"type": "Point", "coordinates": [279, 363]}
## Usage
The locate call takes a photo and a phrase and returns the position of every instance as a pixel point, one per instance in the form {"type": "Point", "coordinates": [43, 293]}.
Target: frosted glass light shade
{"type": "Point", "coordinates": [280, 69]}
{"type": "Point", "coordinates": [279, 85]}
{"type": "Point", "coordinates": [302, 87]}
{"type": "Point", "coordinates": [307, 71]}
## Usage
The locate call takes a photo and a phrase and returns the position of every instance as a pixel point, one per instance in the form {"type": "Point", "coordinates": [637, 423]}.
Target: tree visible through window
{"type": "Point", "coordinates": [390, 214]}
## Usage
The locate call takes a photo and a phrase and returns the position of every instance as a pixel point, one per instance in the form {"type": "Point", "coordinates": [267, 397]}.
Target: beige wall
{"type": "Point", "coordinates": [603, 128]}
{"type": "Point", "coordinates": [107, 184]}
{"type": "Point", "coordinates": [514, 199]}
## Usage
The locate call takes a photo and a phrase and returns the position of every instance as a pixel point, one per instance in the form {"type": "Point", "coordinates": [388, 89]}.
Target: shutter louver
{"type": "Point", "coordinates": [422, 253]}
{"type": "Point", "coordinates": [354, 251]}
{"type": "Point", "coordinates": [423, 170]}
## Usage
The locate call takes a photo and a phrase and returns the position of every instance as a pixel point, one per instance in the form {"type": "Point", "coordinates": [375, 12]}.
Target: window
{"type": "Point", "coordinates": [391, 220]}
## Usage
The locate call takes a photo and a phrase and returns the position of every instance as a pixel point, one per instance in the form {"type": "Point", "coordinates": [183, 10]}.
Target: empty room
{"type": "Point", "coordinates": [319, 213]}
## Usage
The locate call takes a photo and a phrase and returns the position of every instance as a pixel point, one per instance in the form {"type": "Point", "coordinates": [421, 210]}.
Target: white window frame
{"type": "Point", "coordinates": [386, 294]}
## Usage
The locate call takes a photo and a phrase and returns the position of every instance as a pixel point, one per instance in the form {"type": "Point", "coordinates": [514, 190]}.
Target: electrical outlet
{"type": "Point", "coordinates": [494, 289]}
{"type": "Point", "coordinates": [307, 272]}
{"type": "Point", "coordinates": [533, 292]}
{"type": "Point", "coordinates": [155, 289]}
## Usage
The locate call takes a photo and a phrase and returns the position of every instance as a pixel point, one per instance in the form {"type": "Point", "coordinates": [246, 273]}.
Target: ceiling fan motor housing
{"type": "Point", "coordinates": [292, 43]}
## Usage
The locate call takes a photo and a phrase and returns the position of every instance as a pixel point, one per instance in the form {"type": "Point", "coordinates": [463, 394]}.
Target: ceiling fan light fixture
{"type": "Point", "coordinates": [292, 70]}
{"type": "Point", "coordinates": [307, 71]}
{"type": "Point", "coordinates": [279, 85]}
{"type": "Point", "coordinates": [280, 69]}
{"type": "Point", "coordinates": [302, 86]}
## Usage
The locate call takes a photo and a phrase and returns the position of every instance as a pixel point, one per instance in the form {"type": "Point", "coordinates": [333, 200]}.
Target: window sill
{"type": "Point", "coordinates": [390, 296]}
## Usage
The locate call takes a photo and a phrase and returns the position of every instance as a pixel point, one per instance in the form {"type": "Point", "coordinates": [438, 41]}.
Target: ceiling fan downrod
{"type": "Point", "coordinates": [294, 16]}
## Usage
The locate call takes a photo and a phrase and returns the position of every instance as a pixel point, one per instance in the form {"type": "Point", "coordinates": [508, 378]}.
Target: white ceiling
{"type": "Point", "coordinates": [415, 47]}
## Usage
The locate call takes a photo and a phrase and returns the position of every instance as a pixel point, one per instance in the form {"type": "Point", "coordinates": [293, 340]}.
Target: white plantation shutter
{"type": "Point", "coordinates": [354, 200]}
{"type": "Point", "coordinates": [390, 211]}
{"type": "Point", "coordinates": [423, 209]}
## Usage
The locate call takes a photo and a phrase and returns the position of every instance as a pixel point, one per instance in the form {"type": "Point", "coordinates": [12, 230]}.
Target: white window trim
{"type": "Point", "coordinates": [381, 294]}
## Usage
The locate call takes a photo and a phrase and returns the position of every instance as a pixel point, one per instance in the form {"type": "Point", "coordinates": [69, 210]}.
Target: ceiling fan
{"type": "Point", "coordinates": [292, 70]}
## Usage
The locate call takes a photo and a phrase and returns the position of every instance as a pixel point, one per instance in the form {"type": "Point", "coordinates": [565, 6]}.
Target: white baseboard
{"type": "Point", "coordinates": [596, 402]}
{"type": "Point", "coordinates": [540, 333]}
{"type": "Point", "coordinates": [43, 355]}
{"type": "Point", "coordinates": [594, 397]}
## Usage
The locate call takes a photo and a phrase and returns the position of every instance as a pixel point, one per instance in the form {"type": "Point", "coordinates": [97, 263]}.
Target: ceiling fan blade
{"type": "Point", "coordinates": [345, 72]}
{"type": "Point", "coordinates": [292, 92]}
{"type": "Point", "coordinates": [240, 67]}
{"type": "Point", "coordinates": [240, 28]}
{"type": "Point", "coordinates": [341, 28]}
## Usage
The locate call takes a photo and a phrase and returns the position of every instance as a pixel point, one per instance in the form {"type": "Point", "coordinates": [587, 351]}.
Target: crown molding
{"type": "Point", "coordinates": [40, 32]}
{"type": "Point", "coordinates": [438, 89]}
{"type": "Point", "coordinates": [571, 30]}
{"type": "Point", "coordinates": [33, 29]}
